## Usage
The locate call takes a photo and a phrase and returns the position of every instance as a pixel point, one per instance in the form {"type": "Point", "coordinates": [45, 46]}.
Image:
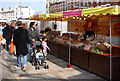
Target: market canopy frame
{"type": "Point", "coordinates": [78, 14]}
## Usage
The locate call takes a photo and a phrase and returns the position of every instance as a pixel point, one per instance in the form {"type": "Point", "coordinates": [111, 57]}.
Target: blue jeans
{"type": "Point", "coordinates": [40, 58]}
{"type": "Point", "coordinates": [30, 51]}
{"type": "Point", "coordinates": [24, 60]}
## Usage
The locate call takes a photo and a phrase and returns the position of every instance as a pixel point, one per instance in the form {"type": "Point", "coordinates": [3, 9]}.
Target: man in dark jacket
{"type": "Point", "coordinates": [20, 40]}
{"type": "Point", "coordinates": [7, 34]}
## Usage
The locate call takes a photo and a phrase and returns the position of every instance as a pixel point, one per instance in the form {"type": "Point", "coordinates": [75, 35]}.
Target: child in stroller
{"type": "Point", "coordinates": [38, 56]}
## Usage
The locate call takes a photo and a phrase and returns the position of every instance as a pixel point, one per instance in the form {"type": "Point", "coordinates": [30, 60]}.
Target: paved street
{"type": "Point", "coordinates": [57, 71]}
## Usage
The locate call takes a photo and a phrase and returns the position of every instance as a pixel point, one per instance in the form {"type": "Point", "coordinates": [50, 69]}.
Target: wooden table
{"type": "Point", "coordinates": [100, 65]}
{"type": "Point", "coordinates": [54, 48]}
{"type": "Point", "coordinates": [64, 52]}
{"type": "Point", "coordinates": [80, 57]}
{"type": "Point", "coordinates": [96, 63]}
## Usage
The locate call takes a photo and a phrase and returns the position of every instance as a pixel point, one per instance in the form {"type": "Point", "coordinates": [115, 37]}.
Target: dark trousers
{"type": "Point", "coordinates": [7, 44]}
{"type": "Point", "coordinates": [4, 46]}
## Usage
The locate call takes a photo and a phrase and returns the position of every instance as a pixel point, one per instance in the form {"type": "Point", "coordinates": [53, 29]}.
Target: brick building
{"type": "Point", "coordinates": [68, 5]}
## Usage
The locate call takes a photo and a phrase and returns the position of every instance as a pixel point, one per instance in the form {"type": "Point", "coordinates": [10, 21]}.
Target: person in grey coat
{"type": "Point", "coordinates": [33, 34]}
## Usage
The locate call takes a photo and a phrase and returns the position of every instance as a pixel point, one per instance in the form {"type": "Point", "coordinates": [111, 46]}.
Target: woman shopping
{"type": "Point", "coordinates": [33, 34]}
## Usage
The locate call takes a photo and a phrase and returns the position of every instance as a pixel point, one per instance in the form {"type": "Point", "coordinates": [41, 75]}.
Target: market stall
{"type": "Point", "coordinates": [93, 54]}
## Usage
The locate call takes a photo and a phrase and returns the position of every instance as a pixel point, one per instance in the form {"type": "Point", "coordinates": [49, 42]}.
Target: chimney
{"type": "Point", "coordinates": [2, 9]}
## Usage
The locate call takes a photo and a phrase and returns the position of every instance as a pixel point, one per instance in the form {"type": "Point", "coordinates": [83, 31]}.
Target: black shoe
{"type": "Point", "coordinates": [31, 61]}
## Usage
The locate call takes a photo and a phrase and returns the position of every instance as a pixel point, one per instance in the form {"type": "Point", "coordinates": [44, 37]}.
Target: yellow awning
{"type": "Point", "coordinates": [60, 14]}
{"type": "Point", "coordinates": [31, 17]}
{"type": "Point", "coordinates": [94, 13]}
{"type": "Point", "coordinates": [105, 10]}
{"type": "Point", "coordinates": [42, 15]}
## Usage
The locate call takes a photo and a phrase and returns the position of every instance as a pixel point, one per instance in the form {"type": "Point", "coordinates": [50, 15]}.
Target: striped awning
{"type": "Point", "coordinates": [77, 14]}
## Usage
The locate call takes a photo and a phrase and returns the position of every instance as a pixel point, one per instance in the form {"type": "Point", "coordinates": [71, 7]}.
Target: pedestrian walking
{"type": "Point", "coordinates": [2, 32]}
{"type": "Point", "coordinates": [7, 34]}
{"type": "Point", "coordinates": [33, 34]}
{"type": "Point", "coordinates": [20, 40]}
{"type": "Point", "coordinates": [1, 28]}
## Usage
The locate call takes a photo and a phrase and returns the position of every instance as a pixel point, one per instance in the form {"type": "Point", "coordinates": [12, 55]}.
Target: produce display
{"type": "Point", "coordinates": [96, 44]}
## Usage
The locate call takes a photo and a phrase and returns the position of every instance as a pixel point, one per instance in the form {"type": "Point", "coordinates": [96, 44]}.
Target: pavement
{"type": "Point", "coordinates": [57, 70]}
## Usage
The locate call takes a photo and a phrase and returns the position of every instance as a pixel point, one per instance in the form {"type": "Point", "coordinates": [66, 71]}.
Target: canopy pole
{"type": "Point", "coordinates": [61, 28]}
{"type": "Point", "coordinates": [110, 52]}
{"type": "Point", "coordinates": [69, 65]}
{"type": "Point", "coordinates": [20, 8]}
{"type": "Point", "coordinates": [69, 44]}
{"type": "Point", "coordinates": [43, 25]}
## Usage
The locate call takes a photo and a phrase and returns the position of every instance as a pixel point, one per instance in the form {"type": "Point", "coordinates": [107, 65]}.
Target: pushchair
{"type": "Point", "coordinates": [35, 61]}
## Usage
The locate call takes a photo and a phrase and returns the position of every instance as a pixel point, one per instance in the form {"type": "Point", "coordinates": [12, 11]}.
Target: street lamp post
{"type": "Point", "coordinates": [20, 7]}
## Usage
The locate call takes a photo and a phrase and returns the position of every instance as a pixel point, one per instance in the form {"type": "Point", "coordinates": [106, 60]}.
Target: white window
{"type": "Point", "coordinates": [83, 3]}
{"type": "Point", "coordinates": [79, 4]}
{"type": "Point", "coordinates": [21, 13]}
{"type": "Point", "coordinates": [97, 1]}
{"type": "Point", "coordinates": [58, 7]}
{"type": "Point", "coordinates": [65, 5]}
{"type": "Point", "coordinates": [102, 0]}
{"type": "Point", "coordinates": [62, 6]}
{"type": "Point", "coordinates": [70, 4]}
{"type": "Point", "coordinates": [92, 1]}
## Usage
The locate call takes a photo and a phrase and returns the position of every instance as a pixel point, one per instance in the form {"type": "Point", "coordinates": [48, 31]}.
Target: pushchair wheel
{"type": "Point", "coordinates": [47, 67]}
{"type": "Point", "coordinates": [38, 67]}
{"type": "Point", "coordinates": [32, 64]}
{"type": "Point", "coordinates": [35, 68]}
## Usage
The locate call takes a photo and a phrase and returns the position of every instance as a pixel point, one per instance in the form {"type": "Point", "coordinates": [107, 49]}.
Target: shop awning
{"type": "Point", "coordinates": [72, 13]}
{"type": "Point", "coordinates": [52, 15]}
{"type": "Point", "coordinates": [113, 10]}
{"type": "Point", "coordinates": [31, 17]}
{"type": "Point", "coordinates": [77, 14]}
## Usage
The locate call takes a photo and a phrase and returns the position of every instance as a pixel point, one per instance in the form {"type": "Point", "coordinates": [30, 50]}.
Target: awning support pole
{"type": "Point", "coordinates": [61, 28]}
{"type": "Point", "coordinates": [110, 52]}
{"type": "Point", "coordinates": [69, 65]}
